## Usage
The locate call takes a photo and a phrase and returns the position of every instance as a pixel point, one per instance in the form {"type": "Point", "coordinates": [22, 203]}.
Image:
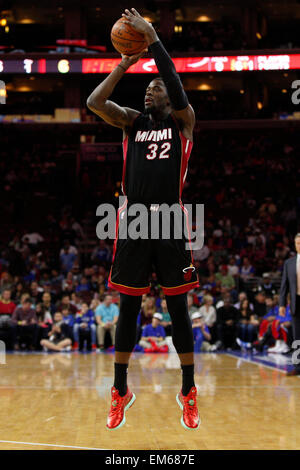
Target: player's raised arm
{"type": "Point", "coordinates": [99, 103]}
{"type": "Point", "coordinates": [179, 101]}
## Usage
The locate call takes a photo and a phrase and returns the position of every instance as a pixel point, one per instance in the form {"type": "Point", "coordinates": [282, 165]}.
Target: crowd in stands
{"type": "Point", "coordinates": [54, 291]}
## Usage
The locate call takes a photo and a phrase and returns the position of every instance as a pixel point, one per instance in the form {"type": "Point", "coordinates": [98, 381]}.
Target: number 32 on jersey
{"type": "Point", "coordinates": [161, 151]}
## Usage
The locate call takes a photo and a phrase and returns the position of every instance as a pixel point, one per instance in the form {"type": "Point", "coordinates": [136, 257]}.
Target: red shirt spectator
{"type": "Point", "coordinates": [6, 305]}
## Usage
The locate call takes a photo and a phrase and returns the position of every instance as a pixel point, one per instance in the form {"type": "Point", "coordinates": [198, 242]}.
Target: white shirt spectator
{"type": "Point", "coordinates": [33, 238]}
{"type": "Point", "coordinates": [72, 249]}
{"type": "Point", "coordinates": [209, 314]}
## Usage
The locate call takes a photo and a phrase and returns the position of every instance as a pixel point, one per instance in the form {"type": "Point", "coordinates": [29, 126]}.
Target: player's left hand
{"type": "Point", "coordinates": [137, 22]}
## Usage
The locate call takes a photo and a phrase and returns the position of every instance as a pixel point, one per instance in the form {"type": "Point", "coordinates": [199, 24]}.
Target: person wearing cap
{"type": "Point", "coordinates": [153, 335]}
{"type": "Point", "coordinates": [266, 285]}
{"type": "Point", "coordinates": [200, 331]}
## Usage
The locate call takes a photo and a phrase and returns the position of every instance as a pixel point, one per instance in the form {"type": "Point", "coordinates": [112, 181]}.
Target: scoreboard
{"type": "Point", "coordinates": [67, 65]}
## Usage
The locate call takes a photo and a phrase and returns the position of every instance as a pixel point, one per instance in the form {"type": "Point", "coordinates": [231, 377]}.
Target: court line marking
{"type": "Point", "coordinates": [51, 445]}
{"type": "Point", "coordinates": [257, 363]}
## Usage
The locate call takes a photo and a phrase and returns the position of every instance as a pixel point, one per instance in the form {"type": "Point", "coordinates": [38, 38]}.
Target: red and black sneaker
{"type": "Point", "coordinates": [75, 346]}
{"type": "Point", "coordinates": [116, 416]}
{"type": "Point", "coordinates": [190, 417]}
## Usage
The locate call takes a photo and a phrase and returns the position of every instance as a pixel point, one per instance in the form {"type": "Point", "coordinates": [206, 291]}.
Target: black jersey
{"type": "Point", "coordinates": [155, 161]}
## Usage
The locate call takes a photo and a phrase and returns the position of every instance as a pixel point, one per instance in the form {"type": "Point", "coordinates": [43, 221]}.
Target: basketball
{"type": "Point", "coordinates": [125, 39]}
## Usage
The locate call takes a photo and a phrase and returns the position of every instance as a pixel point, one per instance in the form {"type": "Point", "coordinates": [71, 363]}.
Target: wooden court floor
{"type": "Point", "coordinates": [60, 401]}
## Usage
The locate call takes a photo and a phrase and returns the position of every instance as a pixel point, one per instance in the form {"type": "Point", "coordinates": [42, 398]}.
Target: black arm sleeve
{"type": "Point", "coordinates": [169, 75]}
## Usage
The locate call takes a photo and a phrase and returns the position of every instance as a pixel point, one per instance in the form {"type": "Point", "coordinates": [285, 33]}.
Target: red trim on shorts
{"type": "Point", "coordinates": [186, 148]}
{"type": "Point", "coordinates": [117, 228]}
{"type": "Point", "coordinates": [126, 289]}
{"type": "Point", "coordinates": [180, 289]}
{"type": "Point", "coordinates": [125, 148]}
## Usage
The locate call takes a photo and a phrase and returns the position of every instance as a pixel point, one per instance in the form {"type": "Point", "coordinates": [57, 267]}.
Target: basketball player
{"type": "Point", "coordinates": [156, 147]}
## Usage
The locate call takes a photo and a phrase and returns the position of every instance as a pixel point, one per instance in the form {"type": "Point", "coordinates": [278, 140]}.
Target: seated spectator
{"type": "Point", "coordinates": [242, 296]}
{"type": "Point", "coordinates": [227, 317]}
{"type": "Point", "coordinates": [153, 336]}
{"type": "Point", "coordinates": [101, 253]}
{"type": "Point", "coordinates": [83, 285]}
{"type": "Point", "coordinates": [266, 286]}
{"type": "Point", "coordinates": [57, 337]}
{"type": "Point", "coordinates": [25, 322]}
{"type": "Point", "coordinates": [208, 311]}
{"type": "Point", "coordinates": [201, 333]}
{"type": "Point", "coordinates": [106, 317]}
{"type": "Point", "coordinates": [47, 304]}
{"type": "Point", "coordinates": [233, 269]}
{"type": "Point", "coordinates": [247, 325]}
{"type": "Point", "coordinates": [85, 328]}
{"type": "Point", "coordinates": [259, 305]}
{"type": "Point", "coordinates": [147, 310]}
{"type": "Point", "coordinates": [68, 255]}
{"type": "Point", "coordinates": [226, 279]}
{"type": "Point", "coordinates": [7, 308]}
{"type": "Point", "coordinates": [277, 336]}
{"type": "Point", "coordinates": [68, 321]}
{"type": "Point", "coordinates": [65, 302]}
{"type": "Point", "coordinates": [166, 322]}
{"type": "Point", "coordinates": [247, 270]}
{"type": "Point", "coordinates": [44, 321]}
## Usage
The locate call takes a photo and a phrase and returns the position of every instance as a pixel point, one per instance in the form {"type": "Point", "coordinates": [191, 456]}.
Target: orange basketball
{"type": "Point", "coordinates": [125, 39]}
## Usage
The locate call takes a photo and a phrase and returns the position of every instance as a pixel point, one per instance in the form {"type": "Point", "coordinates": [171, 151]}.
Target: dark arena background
{"type": "Point", "coordinates": [239, 63]}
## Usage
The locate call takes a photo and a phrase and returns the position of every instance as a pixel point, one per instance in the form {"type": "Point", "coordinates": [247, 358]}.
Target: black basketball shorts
{"type": "Point", "coordinates": [135, 259]}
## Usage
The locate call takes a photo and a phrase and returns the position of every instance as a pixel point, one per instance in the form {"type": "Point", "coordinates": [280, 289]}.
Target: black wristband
{"type": "Point", "coordinates": [169, 75]}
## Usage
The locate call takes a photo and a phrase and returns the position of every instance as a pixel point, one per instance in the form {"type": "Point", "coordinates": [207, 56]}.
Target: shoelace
{"type": "Point", "coordinates": [191, 404]}
{"type": "Point", "coordinates": [115, 406]}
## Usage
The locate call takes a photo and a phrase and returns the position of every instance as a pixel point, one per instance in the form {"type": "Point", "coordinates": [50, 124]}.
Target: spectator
{"type": "Point", "coordinates": [147, 310]}
{"type": "Point", "coordinates": [166, 322]}
{"type": "Point", "coordinates": [58, 340]}
{"type": "Point", "coordinates": [85, 328]}
{"type": "Point", "coordinates": [7, 308]}
{"type": "Point", "coordinates": [65, 302]}
{"type": "Point", "coordinates": [260, 307]}
{"type": "Point", "coordinates": [68, 255]}
{"type": "Point", "coordinates": [266, 286]}
{"type": "Point", "coordinates": [208, 311]}
{"type": "Point", "coordinates": [201, 333]}
{"type": "Point", "coordinates": [25, 320]}
{"type": "Point", "coordinates": [101, 253]}
{"type": "Point", "coordinates": [106, 318]}
{"type": "Point", "coordinates": [242, 296]}
{"type": "Point", "coordinates": [227, 317]}
{"type": "Point", "coordinates": [47, 305]}
{"type": "Point", "coordinates": [225, 278]}
{"type": "Point", "coordinates": [68, 320]}
{"type": "Point", "coordinates": [247, 325]}
{"type": "Point", "coordinates": [44, 320]}
{"type": "Point", "coordinates": [153, 336]}
{"type": "Point", "coordinates": [247, 270]}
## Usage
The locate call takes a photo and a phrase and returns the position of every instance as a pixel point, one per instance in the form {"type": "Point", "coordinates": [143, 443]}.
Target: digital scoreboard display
{"type": "Point", "coordinates": [68, 65]}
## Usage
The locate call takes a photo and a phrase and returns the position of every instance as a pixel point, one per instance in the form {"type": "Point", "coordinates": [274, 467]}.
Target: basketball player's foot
{"type": "Point", "coordinates": [190, 416]}
{"type": "Point", "coordinates": [116, 417]}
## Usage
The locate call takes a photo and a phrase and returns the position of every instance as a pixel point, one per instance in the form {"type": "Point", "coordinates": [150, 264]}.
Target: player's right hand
{"type": "Point", "coordinates": [128, 60]}
{"type": "Point", "coordinates": [282, 311]}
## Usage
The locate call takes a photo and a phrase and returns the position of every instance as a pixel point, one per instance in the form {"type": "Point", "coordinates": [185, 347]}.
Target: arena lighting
{"type": "Point", "coordinates": [238, 63]}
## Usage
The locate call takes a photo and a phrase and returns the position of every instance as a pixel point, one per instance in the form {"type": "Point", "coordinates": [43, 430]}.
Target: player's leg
{"type": "Point", "coordinates": [122, 397]}
{"type": "Point", "coordinates": [125, 338]}
{"type": "Point", "coordinates": [183, 340]}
